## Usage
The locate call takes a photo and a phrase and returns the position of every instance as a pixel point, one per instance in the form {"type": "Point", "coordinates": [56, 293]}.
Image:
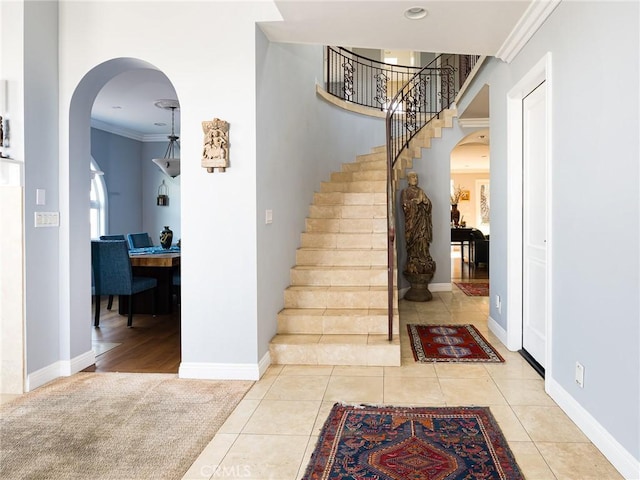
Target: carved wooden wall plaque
{"type": "Point", "coordinates": [215, 153]}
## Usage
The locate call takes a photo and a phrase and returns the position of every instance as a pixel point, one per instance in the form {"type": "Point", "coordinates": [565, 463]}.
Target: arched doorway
{"type": "Point", "coordinates": [75, 234]}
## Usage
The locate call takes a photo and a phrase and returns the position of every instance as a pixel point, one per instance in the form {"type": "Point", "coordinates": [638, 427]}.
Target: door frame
{"type": "Point", "coordinates": [540, 72]}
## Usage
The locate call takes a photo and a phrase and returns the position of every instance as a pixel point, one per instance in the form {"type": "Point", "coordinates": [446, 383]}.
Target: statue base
{"type": "Point", "coordinates": [419, 291]}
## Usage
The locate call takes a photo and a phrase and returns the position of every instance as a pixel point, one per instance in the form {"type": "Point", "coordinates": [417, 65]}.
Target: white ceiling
{"type": "Point", "coordinates": [466, 27]}
{"type": "Point", "coordinates": [451, 26]}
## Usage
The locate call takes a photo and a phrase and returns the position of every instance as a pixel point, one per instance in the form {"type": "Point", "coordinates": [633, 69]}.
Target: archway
{"type": "Point", "coordinates": [75, 255]}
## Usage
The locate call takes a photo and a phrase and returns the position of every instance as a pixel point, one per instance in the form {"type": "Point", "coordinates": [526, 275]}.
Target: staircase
{"type": "Point", "coordinates": [335, 309]}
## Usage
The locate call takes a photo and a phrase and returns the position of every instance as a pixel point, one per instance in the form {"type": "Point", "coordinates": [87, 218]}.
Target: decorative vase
{"type": "Point", "coordinates": [166, 237]}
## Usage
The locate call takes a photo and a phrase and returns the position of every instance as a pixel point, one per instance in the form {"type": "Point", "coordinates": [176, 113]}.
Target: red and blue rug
{"type": "Point", "coordinates": [411, 443]}
{"type": "Point", "coordinates": [450, 343]}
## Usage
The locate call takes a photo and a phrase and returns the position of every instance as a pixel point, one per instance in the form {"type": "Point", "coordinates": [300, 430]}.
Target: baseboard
{"type": "Point", "coordinates": [77, 364]}
{"type": "Point", "coordinates": [264, 363]}
{"type": "Point", "coordinates": [220, 371]}
{"type": "Point", "coordinates": [440, 287]}
{"type": "Point", "coordinates": [61, 368]}
{"type": "Point", "coordinates": [40, 377]}
{"type": "Point", "coordinates": [497, 330]}
{"type": "Point", "coordinates": [433, 287]}
{"type": "Point", "coordinates": [620, 458]}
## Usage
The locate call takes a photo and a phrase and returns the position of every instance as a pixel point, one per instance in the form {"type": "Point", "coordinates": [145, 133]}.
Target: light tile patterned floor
{"type": "Point", "coordinates": [273, 431]}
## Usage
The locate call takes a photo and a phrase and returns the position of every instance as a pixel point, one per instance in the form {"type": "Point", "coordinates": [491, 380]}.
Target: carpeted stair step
{"type": "Point", "coordinates": [335, 350]}
{"type": "Point", "coordinates": [330, 321]}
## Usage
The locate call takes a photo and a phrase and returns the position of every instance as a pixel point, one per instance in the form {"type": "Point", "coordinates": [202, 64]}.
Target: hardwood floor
{"type": "Point", "coordinates": [465, 271]}
{"type": "Point", "coordinates": [152, 345]}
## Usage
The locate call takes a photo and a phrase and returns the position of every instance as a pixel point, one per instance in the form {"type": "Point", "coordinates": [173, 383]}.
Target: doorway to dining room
{"type": "Point", "coordinates": [131, 181]}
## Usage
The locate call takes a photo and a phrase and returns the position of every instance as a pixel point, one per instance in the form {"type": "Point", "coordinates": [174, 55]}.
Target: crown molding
{"type": "Point", "coordinates": [535, 15]}
{"type": "Point", "coordinates": [110, 128]}
{"type": "Point", "coordinates": [128, 133]}
{"type": "Point", "coordinates": [473, 122]}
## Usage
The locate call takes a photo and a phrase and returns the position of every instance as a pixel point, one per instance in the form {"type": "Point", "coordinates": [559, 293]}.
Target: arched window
{"type": "Point", "coordinates": [98, 202]}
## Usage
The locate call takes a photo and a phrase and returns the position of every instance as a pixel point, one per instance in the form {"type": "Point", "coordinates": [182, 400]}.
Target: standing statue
{"type": "Point", "coordinates": [420, 266]}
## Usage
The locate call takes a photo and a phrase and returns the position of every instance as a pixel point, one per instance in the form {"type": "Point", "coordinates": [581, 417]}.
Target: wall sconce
{"type": "Point", "coordinates": [163, 195]}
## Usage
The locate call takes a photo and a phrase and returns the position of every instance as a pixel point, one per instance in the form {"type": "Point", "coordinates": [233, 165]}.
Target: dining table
{"type": "Point", "coordinates": [158, 263]}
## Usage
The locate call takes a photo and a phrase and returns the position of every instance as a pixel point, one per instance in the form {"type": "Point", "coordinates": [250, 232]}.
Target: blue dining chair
{"type": "Point", "coordinates": [112, 275]}
{"type": "Point", "coordinates": [111, 237]}
{"type": "Point", "coordinates": [139, 240]}
{"type": "Point", "coordinates": [176, 281]}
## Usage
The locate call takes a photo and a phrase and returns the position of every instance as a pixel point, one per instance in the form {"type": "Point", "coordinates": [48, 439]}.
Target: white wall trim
{"type": "Point", "coordinates": [440, 287]}
{"type": "Point", "coordinates": [540, 72]}
{"type": "Point", "coordinates": [128, 133]}
{"type": "Point", "coordinates": [433, 287]}
{"type": "Point", "coordinates": [620, 458]}
{"type": "Point", "coordinates": [40, 377]}
{"type": "Point", "coordinates": [77, 364]}
{"type": "Point", "coordinates": [61, 368]}
{"type": "Point", "coordinates": [474, 122]}
{"type": "Point", "coordinates": [264, 363]}
{"type": "Point", "coordinates": [123, 132]}
{"type": "Point", "coordinates": [498, 331]}
{"type": "Point", "coordinates": [220, 371]}
{"type": "Point", "coordinates": [535, 15]}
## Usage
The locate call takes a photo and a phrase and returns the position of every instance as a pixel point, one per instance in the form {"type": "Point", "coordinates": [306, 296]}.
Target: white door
{"type": "Point", "coordinates": [534, 224]}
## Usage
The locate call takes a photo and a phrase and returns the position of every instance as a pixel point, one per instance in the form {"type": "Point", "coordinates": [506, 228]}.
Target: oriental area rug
{"type": "Point", "coordinates": [480, 289]}
{"type": "Point", "coordinates": [450, 343]}
{"type": "Point", "coordinates": [113, 426]}
{"type": "Point", "coordinates": [411, 443]}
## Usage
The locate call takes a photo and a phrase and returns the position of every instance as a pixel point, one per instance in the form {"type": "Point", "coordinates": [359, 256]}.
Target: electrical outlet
{"type": "Point", "coordinates": [268, 216]}
{"type": "Point", "coordinates": [498, 304]}
{"type": "Point", "coordinates": [580, 374]}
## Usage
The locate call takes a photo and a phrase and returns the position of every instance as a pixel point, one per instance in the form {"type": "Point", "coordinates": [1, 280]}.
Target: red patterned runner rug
{"type": "Point", "coordinates": [450, 343]}
{"type": "Point", "coordinates": [478, 289]}
{"type": "Point", "coordinates": [411, 443]}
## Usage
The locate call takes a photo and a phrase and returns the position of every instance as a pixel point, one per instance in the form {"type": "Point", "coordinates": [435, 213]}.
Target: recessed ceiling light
{"type": "Point", "coordinates": [116, 107]}
{"type": "Point", "coordinates": [415, 13]}
{"type": "Point", "coordinates": [160, 124]}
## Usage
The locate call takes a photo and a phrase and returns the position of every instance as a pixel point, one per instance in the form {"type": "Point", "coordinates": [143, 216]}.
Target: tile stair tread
{"type": "Point", "coordinates": [335, 339]}
{"type": "Point", "coordinates": [339, 267]}
{"type": "Point", "coordinates": [348, 288]}
{"type": "Point", "coordinates": [337, 312]}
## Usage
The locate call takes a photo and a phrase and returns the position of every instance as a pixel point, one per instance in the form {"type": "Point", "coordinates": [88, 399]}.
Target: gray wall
{"type": "Point", "coordinates": [154, 218]}
{"type": "Point", "coordinates": [120, 160]}
{"type": "Point", "coordinates": [45, 343]}
{"type": "Point", "coordinates": [301, 139]}
{"type": "Point", "coordinates": [434, 173]}
{"type": "Point", "coordinates": [595, 203]}
{"type": "Point", "coordinates": [132, 181]}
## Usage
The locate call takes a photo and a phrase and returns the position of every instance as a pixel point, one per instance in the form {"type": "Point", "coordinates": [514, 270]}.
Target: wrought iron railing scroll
{"type": "Point", "coordinates": [411, 97]}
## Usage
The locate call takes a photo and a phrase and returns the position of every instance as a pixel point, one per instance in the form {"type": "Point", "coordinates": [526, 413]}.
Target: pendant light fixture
{"type": "Point", "coordinates": [170, 164]}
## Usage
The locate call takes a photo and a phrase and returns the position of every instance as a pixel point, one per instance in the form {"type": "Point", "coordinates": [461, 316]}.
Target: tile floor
{"type": "Point", "coordinates": [273, 431]}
